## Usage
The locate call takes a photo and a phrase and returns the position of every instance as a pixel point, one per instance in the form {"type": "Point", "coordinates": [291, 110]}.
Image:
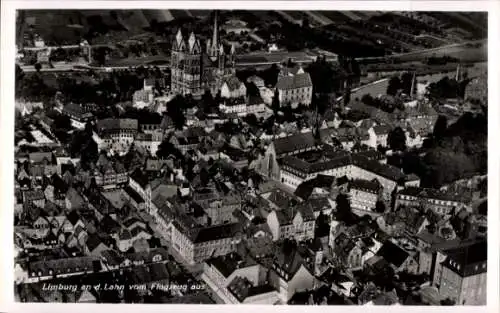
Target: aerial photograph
{"type": "Point", "coordinates": [251, 157]}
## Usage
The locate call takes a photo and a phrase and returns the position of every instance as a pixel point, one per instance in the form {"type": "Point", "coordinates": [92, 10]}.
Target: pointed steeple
{"type": "Point", "coordinates": [178, 39]}
{"type": "Point", "coordinates": [413, 81]}
{"type": "Point", "coordinates": [191, 41]}
{"type": "Point", "coordinates": [214, 49]}
{"type": "Point", "coordinates": [216, 31]}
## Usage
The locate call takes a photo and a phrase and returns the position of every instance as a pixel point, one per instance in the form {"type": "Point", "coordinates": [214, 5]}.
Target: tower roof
{"type": "Point", "coordinates": [179, 39]}
{"type": "Point", "coordinates": [192, 41]}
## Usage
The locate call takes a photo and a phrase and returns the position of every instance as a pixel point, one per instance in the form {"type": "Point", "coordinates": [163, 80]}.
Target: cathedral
{"type": "Point", "coordinates": [193, 71]}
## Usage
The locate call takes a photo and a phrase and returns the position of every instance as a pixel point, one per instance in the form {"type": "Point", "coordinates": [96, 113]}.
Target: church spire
{"type": "Point", "coordinates": [457, 75]}
{"type": "Point", "coordinates": [413, 80]}
{"type": "Point", "coordinates": [214, 49]}
{"type": "Point", "coordinates": [216, 30]}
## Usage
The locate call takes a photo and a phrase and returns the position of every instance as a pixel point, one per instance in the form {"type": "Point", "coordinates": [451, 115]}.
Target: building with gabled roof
{"type": "Point", "coordinates": [294, 87]}
{"type": "Point", "coordinates": [196, 243]}
{"type": "Point", "coordinates": [464, 273]}
{"type": "Point", "coordinates": [291, 272]}
{"type": "Point", "coordinates": [195, 70]}
{"type": "Point", "coordinates": [439, 201]}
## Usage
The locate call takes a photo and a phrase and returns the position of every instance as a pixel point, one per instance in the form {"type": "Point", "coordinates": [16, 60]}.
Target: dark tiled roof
{"type": "Point", "coordinates": [93, 241]}
{"type": "Point", "coordinates": [133, 194]}
{"type": "Point", "coordinates": [63, 266]}
{"type": "Point", "coordinates": [112, 257]}
{"type": "Point", "coordinates": [429, 193]}
{"type": "Point", "coordinates": [293, 82]}
{"type": "Point", "coordinates": [393, 254]}
{"type": "Point", "coordinates": [233, 83]}
{"type": "Point", "coordinates": [293, 143]}
{"type": "Point", "coordinates": [382, 129]}
{"type": "Point", "coordinates": [289, 260]}
{"type": "Point", "coordinates": [242, 288]}
{"type": "Point", "coordinates": [114, 124]}
{"type": "Point", "coordinates": [385, 170]}
{"type": "Point", "coordinates": [38, 157]}
{"type": "Point", "coordinates": [227, 264]}
{"type": "Point", "coordinates": [76, 110]}
{"type": "Point", "coordinates": [305, 189]}
{"type": "Point", "coordinates": [469, 260]}
{"type": "Point", "coordinates": [372, 186]}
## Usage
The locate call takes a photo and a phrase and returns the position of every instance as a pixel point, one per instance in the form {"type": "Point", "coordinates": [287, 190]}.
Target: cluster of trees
{"type": "Point", "coordinates": [441, 60]}
{"type": "Point", "coordinates": [448, 88]}
{"type": "Point", "coordinates": [401, 83]}
{"type": "Point", "coordinates": [386, 104]}
{"type": "Point", "coordinates": [102, 89]}
{"type": "Point", "coordinates": [67, 55]}
{"type": "Point", "coordinates": [83, 146]}
{"type": "Point", "coordinates": [453, 152]}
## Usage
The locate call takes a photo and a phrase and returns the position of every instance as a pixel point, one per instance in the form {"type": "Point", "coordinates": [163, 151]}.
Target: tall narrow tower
{"type": "Point", "coordinates": [214, 48]}
{"type": "Point", "coordinates": [413, 81]}
{"type": "Point", "coordinates": [458, 73]}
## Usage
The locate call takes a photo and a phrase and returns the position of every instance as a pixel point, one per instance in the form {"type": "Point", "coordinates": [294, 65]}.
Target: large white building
{"type": "Point", "coordinates": [294, 87]}
{"type": "Point", "coordinates": [116, 134]}
{"type": "Point", "coordinates": [238, 280]}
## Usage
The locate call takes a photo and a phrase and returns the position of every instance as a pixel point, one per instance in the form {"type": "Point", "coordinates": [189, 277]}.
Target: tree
{"type": "Point", "coordinates": [394, 86]}
{"type": "Point", "coordinates": [380, 207]}
{"type": "Point", "coordinates": [166, 148]}
{"type": "Point", "coordinates": [38, 67]}
{"type": "Point", "coordinates": [175, 109]}
{"type": "Point", "coordinates": [406, 82]}
{"type": "Point", "coordinates": [440, 127]}
{"type": "Point", "coordinates": [344, 210]}
{"type": "Point", "coordinates": [62, 122]}
{"type": "Point", "coordinates": [397, 139]}
{"type": "Point", "coordinates": [276, 102]}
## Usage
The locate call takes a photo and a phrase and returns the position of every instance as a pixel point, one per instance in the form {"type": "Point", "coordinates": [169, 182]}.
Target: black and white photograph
{"type": "Point", "coordinates": [238, 156]}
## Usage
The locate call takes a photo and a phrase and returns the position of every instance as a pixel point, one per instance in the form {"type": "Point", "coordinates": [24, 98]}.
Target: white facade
{"type": "Point", "coordinates": [227, 92]}
{"type": "Point", "coordinates": [295, 96]}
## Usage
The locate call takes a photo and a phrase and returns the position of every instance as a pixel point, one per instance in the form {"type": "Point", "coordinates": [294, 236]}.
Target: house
{"type": "Point", "coordinates": [294, 222]}
{"type": "Point", "coordinates": [233, 88]}
{"type": "Point", "coordinates": [396, 257]}
{"type": "Point", "coordinates": [236, 106]}
{"type": "Point", "coordinates": [295, 170]}
{"type": "Point", "coordinates": [196, 243]}
{"type": "Point", "coordinates": [440, 202]}
{"type": "Point", "coordinates": [255, 105]}
{"type": "Point", "coordinates": [347, 252]}
{"type": "Point", "coordinates": [139, 182]}
{"type": "Point", "coordinates": [294, 88]}
{"type": "Point", "coordinates": [405, 220]}
{"type": "Point", "coordinates": [74, 200]}
{"type": "Point", "coordinates": [378, 135]}
{"type": "Point", "coordinates": [236, 279]}
{"type": "Point", "coordinates": [33, 198]}
{"type": "Point", "coordinates": [258, 81]}
{"type": "Point", "coordinates": [364, 194]}
{"type": "Point", "coordinates": [463, 277]}
{"type": "Point", "coordinates": [78, 114]}
{"type": "Point", "coordinates": [64, 267]}
{"type": "Point", "coordinates": [116, 134]}
{"type": "Point", "coordinates": [290, 272]}
{"type": "Point", "coordinates": [142, 98]}
{"type": "Point", "coordinates": [149, 141]}
{"type": "Point", "coordinates": [281, 147]}
{"type": "Point", "coordinates": [94, 245]}
{"type": "Point", "coordinates": [110, 173]}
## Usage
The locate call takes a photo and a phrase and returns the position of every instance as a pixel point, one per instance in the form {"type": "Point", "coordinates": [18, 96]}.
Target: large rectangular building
{"type": "Point", "coordinates": [463, 277]}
